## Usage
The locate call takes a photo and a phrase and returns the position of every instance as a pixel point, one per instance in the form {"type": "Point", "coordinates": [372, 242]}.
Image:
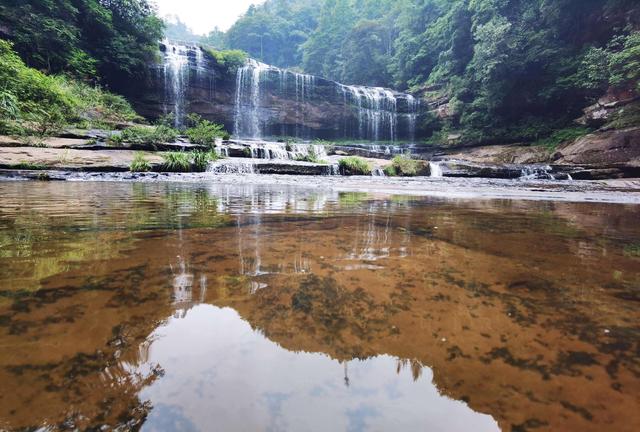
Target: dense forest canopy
{"type": "Point", "coordinates": [509, 68]}
{"type": "Point", "coordinates": [105, 40]}
{"type": "Point", "coordinates": [491, 70]}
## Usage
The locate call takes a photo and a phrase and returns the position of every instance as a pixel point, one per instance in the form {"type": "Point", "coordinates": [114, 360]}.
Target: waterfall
{"type": "Point", "coordinates": [247, 121]}
{"type": "Point", "coordinates": [436, 169]}
{"type": "Point", "coordinates": [377, 112]}
{"type": "Point", "coordinates": [176, 80]}
{"type": "Point", "coordinates": [414, 106]}
{"type": "Point", "coordinates": [183, 66]}
{"type": "Point", "coordinates": [267, 96]}
{"type": "Point", "coordinates": [305, 86]}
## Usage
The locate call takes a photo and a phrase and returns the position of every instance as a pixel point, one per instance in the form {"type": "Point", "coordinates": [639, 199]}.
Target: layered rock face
{"type": "Point", "coordinates": [263, 101]}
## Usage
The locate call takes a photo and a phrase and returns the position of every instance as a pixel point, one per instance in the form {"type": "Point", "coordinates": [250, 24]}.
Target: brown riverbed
{"type": "Point", "coordinates": [168, 306]}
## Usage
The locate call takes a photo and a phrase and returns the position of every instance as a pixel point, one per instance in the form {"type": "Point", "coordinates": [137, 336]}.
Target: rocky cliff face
{"type": "Point", "coordinates": [261, 101]}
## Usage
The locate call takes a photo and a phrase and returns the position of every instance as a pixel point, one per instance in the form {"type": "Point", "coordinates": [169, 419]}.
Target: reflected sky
{"type": "Point", "coordinates": [219, 371]}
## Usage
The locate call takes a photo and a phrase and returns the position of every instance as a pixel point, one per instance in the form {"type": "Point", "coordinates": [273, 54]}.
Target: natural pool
{"type": "Point", "coordinates": [190, 307]}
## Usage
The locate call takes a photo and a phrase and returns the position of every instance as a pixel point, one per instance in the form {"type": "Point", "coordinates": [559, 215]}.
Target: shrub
{"type": "Point", "coordinates": [201, 160]}
{"type": "Point", "coordinates": [34, 103]}
{"type": "Point", "coordinates": [196, 161]}
{"type": "Point", "coordinates": [354, 165]}
{"type": "Point", "coordinates": [390, 171]}
{"type": "Point", "coordinates": [203, 131]}
{"type": "Point", "coordinates": [139, 163]}
{"type": "Point", "coordinates": [176, 162]}
{"type": "Point", "coordinates": [94, 104]}
{"type": "Point", "coordinates": [142, 135]}
{"type": "Point", "coordinates": [230, 60]}
{"type": "Point", "coordinates": [403, 166]}
{"type": "Point", "coordinates": [30, 98]}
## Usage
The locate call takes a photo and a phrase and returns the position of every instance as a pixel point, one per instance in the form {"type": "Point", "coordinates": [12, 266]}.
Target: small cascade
{"type": "Point", "coordinates": [237, 167]}
{"type": "Point", "coordinates": [436, 169]}
{"type": "Point", "coordinates": [537, 172]}
{"type": "Point", "coordinates": [378, 172]}
{"type": "Point", "coordinates": [276, 150]}
{"type": "Point", "coordinates": [176, 80]}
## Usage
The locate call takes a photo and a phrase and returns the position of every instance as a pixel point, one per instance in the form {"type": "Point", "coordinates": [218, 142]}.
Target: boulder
{"type": "Point", "coordinates": [603, 149]}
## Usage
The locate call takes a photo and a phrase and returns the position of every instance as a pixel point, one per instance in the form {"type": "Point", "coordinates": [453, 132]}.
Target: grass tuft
{"type": "Point", "coordinates": [354, 165]}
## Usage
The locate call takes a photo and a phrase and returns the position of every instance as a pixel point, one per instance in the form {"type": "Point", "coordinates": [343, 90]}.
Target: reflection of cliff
{"type": "Point", "coordinates": [75, 348]}
{"type": "Point", "coordinates": [472, 314]}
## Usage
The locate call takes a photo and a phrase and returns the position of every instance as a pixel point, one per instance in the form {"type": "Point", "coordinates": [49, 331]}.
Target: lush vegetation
{"type": "Point", "coordinates": [353, 166]}
{"type": "Point", "coordinates": [144, 135]}
{"type": "Point", "coordinates": [34, 103]}
{"type": "Point", "coordinates": [204, 132]}
{"type": "Point", "coordinates": [228, 60]}
{"type": "Point", "coordinates": [107, 40]}
{"type": "Point", "coordinates": [274, 31]}
{"type": "Point", "coordinates": [403, 166]}
{"type": "Point", "coordinates": [512, 70]}
{"type": "Point", "coordinates": [139, 163]}
{"type": "Point", "coordinates": [195, 161]}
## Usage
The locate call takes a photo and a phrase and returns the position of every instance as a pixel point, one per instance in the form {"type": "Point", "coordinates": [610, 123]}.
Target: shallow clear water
{"type": "Point", "coordinates": [187, 307]}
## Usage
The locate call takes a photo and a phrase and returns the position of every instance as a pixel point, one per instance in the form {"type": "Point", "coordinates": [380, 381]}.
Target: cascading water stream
{"type": "Point", "coordinates": [379, 113]}
{"type": "Point", "coordinates": [377, 110]}
{"type": "Point", "coordinates": [435, 169]}
{"type": "Point", "coordinates": [247, 122]}
{"type": "Point", "coordinates": [177, 64]}
{"type": "Point", "coordinates": [176, 76]}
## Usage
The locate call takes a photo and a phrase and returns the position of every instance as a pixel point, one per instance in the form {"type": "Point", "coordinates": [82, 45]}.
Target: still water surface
{"type": "Point", "coordinates": [199, 308]}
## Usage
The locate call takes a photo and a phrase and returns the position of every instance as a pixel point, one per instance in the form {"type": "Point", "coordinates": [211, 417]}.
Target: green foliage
{"type": "Point", "coordinates": [274, 31]}
{"type": "Point", "coordinates": [143, 135]}
{"type": "Point", "coordinates": [201, 159]}
{"type": "Point", "coordinates": [354, 165]}
{"type": "Point", "coordinates": [390, 171]}
{"type": "Point", "coordinates": [176, 162]}
{"type": "Point", "coordinates": [30, 166]}
{"type": "Point", "coordinates": [139, 163]}
{"type": "Point", "coordinates": [403, 166]}
{"type": "Point", "coordinates": [229, 60]}
{"type": "Point", "coordinates": [563, 136]}
{"type": "Point", "coordinates": [625, 117]}
{"type": "Point", "coordinates": [513, 70]}
{"type": "Point", "coordinates": [92, 103]}
{"type": "Point", "coordinates": [195, 161]}
{"type": "Point", "coordinates": [33, 100]}
{"type": "Point", "coordinates": [34, 103]}
{"type": "Point", "coordinates": [109, 39]}
{"type": "Point", "coordinates": [203, 131]}
{"type": "Point", "coordinates": [311, 157]}
{"type": "Point", "coordinates": [624, 62]}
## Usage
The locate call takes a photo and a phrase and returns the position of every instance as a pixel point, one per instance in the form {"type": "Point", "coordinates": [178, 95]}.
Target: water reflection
{"type": "Point", "coordinates": [173, 307]}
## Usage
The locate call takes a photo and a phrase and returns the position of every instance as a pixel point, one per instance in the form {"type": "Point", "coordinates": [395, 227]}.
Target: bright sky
{"type": "Point", "coordinates": [203, 15]}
